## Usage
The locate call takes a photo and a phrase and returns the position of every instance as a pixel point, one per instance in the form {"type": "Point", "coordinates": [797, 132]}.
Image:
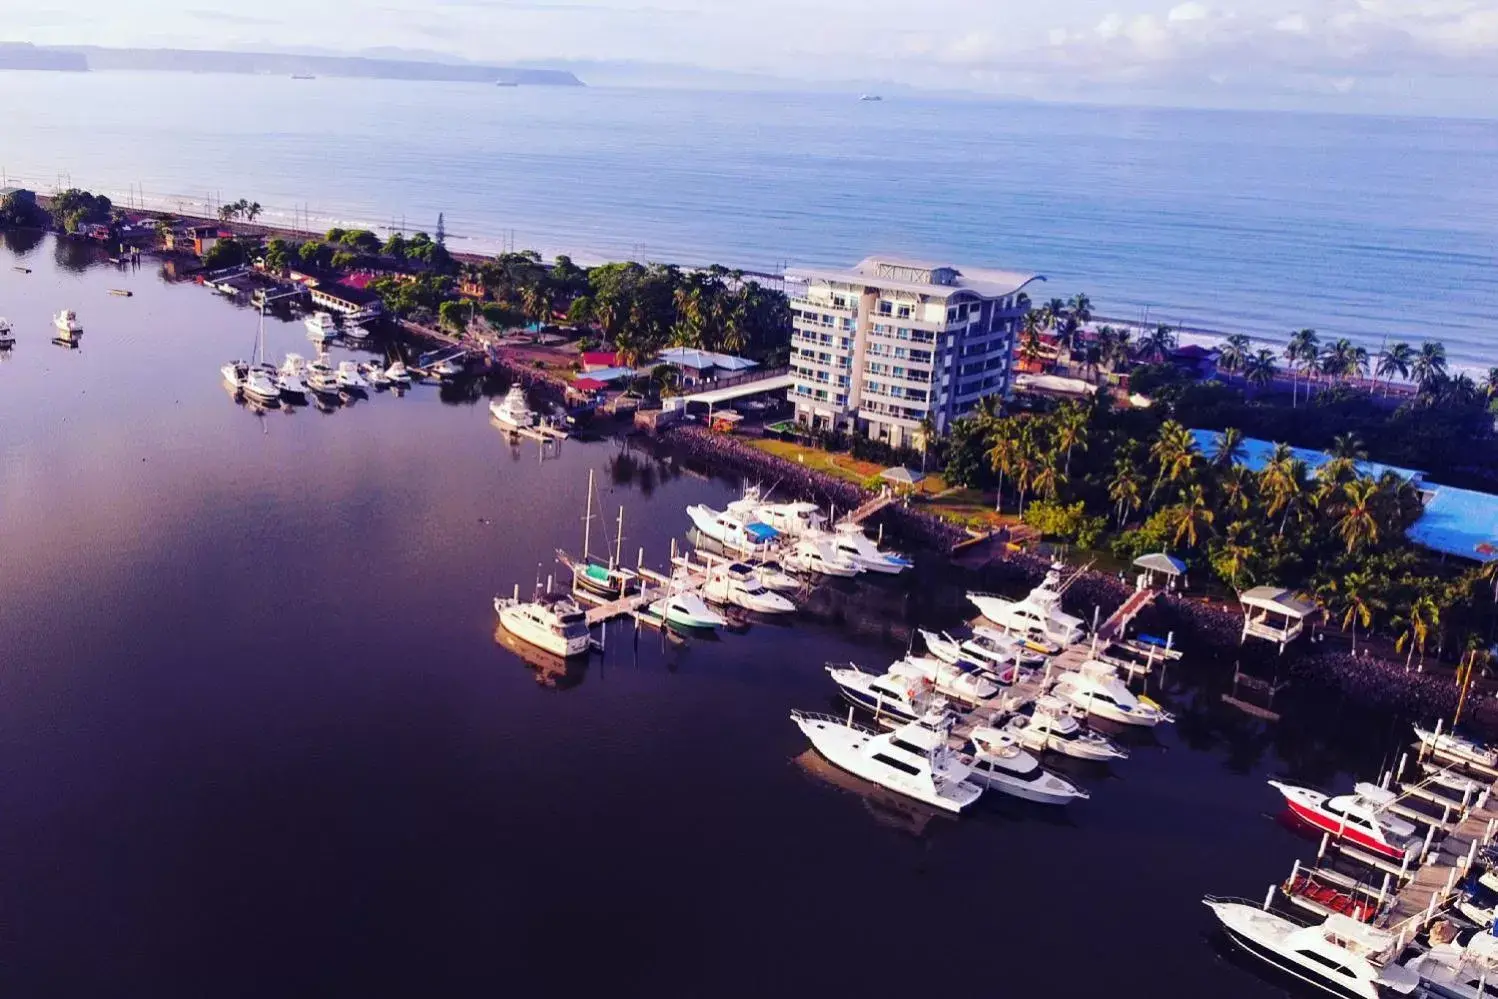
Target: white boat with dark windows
{"type": "Point", "coordinates": [849, 541]}
{"type": "Point", "coordinates": [67, 325]}
{"type": "Point", "coordinates": [1451, 970]}
{"type": "Point", "coordinates": [349, 378]}
{"type": "Point", "coordinates": [999, 761]}
{"type": "Point", "coordinates": [739, 585]}
{"type": "Point", "coordinates": [896, 697]}
{"type": "Point", "coordinates": [1097, 690]}
{"type": "Point", "coordinates": [398, 374]}
{"type": "Point", "coordinates": [994, 646]}
{"type": "Point", "coordinates": [1458, 747]}
{"type": "Point", "coordinates": [736, 533]}
{"type": "Point", "coordinates": [556, 626]}
{"type": "Point", "coordinates": [1338, 955]}
{"type": "Point", "coordinates": [820, 558]}
{"type": "Point", "coordinates": [1052, 725]}
{"type": "Point", "coordinates": [320, 326]}
{"type": "Point", "coordinates": [353, 328]}
{"type": "Point", "coordinates": [321, 376]}
{"type": "Point", "coordinates": [1039, 613]}
{"type": "Point", "coordinates": [292, 375]}
{"type": "Point", "coordinates": [234, 374]}
{"type": "Point", "coordinates": [1003, 669]}
{"type": "Point", "coordinates": [7, 333]}
{"type": "Point", "coordinates": [776, 577]}
{"type": "Point", "coordinates": [963, 680]}
{"type": "Point", "coordinates": [513, 412]}
{"type": "Point", "coordinates": [1361, 818]}
{"type": "Point", "coordinates": [794, 520]}
{"type": "Point", "coordinates": [913, 760]}
{"type": "Point", "coordinates": [687, 610]}
{"type": "Point", "coordinates": [374, 373]}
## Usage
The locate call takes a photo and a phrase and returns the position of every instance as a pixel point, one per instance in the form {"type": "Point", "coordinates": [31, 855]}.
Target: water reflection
{"type": "Point", "coordinates": [22, 241]}
{"type": "Point", "coordinates": [552, 671]}
{"type": "Point", "coordinates": [888, 809]}
{"type": "Point", "coordinates": [75, 255]}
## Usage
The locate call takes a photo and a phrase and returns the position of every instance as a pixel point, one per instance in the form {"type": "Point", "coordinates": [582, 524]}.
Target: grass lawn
{"type": "Point", "coordinates": [968, 507]}
{"type": "Point", "coordinates": [840, 465]}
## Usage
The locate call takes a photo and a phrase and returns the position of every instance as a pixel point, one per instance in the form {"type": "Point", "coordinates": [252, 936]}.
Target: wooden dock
{"type": "Point", "coordinates": [656, 587]}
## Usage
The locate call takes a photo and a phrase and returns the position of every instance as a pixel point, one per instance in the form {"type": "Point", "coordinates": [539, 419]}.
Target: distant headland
{"type": "Point", "coordinates": [82, 58]}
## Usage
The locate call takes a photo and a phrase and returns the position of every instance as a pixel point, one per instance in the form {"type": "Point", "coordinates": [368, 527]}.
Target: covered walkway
{"type": "Point", "coordinates": [741, 390]}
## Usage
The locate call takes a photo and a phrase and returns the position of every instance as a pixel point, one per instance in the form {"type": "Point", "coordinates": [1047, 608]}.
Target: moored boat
{"type": "Point", "coordinates": [1097, 690]}
{"type": "Point", "coordinates": [913, 760]}
{"type": "Point", "coordinates": [1359, 818]}
{"type": "Point", "coordinates": [737, 534]}
{"type": "Point", "coordinates": [739, 585]}
{"type": "Point", "coordinates": [819, 558]}
{"type": "Point", "coordinates": [1052, 725]}
{"type": "Point", "coordinates": [999, 762]}
{"type": "Point", "coordinates": [320, 326]}
{"type": "Point", "coordinates": [1039, 613]}
{"type": "Point", "coordinates": [7, 336]}
{"type": "Point", "coordinates": [895, 696]}
{"type": "Point", "coordinates": [67, 325]}
{"type": "Point", "coordinates": [556, 626]}
{"type": "Point", "coordinates": [687, 610]}
{"type": "Point", "coordinates": [1458, 746]}
{"type": "Point", "coordinates": [513, 412]}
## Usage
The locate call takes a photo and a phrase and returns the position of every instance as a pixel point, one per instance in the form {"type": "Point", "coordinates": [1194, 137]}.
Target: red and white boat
{"type": "Point", "coordinates": [1358, 818]}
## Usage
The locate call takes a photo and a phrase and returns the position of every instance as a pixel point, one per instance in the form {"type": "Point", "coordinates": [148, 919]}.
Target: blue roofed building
{"type": "Point", "coordinates": [1458, 522]}
{"type": "Point", "coordinates": [1256, 454]}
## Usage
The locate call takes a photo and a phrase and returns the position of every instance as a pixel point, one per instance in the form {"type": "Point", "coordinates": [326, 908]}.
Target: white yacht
{"type": "Point", "coordinates": [687, 610]}
{"type": "Point", "coordinates": [1458, 747]}
{"type": "Point", "coordinates": [397, 374]}
{"type": "Point", "coordinates": [991, 645]}
{"type": "Point", "coordinates": [292, 374]}
{"type": "Point", "coordinates": [963, 680]}
{"type": "Point", "coordinates": [1002, 668]}
{"type": "Point", "coordinates": [348, 376]}
{"type": "Point", "coordinates": [321, 376]}
{"type": "Point", "coordinates": [896, 696]}
{"type": "Point", "coordinates": [913, 760]}
{"type": "Point", "coordinates": [374, 373]}
{"type": "Point", "coordinates": [513, 411]}
{"type": "Point", "coordinates": [7, 337]}
{"type": "Point", "coordinates": [320, 326]}
{"type": "Point", "coordinates": [1004, 766]}
{"type": "Point", "coordinates": [819, 557]}
{"type": "Point", "coordinates": [737, 534]}
{"type": "Point", "coordinates": [260, 384]}
{"type": "Point", "coordinates": [775, 576]}
{"type": "Point", "coordinates": [850, 542]}
{"type": "Point", "coordinates": [558, 626]}
{"type": "Point", "coordinates": [796, 520]}
{"type": "Point", "coordinates": [1096, 689]}
{"type": "Point", "coordinates": [234, 374]}
{"type": "Point", "coordinates": [1453, 971]}
{"type": "Point", "coordinates": [354, 331]}
{"type": "Point", "coordinates": [739, 585]}
{"type": "Point", "coordinates": [1053, 725]}
{"type": "Point", "coordinates": [1039, 613]}
{"type": "Point", "coordinates": [1339, 955]}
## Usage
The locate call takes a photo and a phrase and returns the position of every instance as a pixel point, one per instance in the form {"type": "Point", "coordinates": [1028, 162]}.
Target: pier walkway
{"type": "Point", "coordinates": [1119, 620]}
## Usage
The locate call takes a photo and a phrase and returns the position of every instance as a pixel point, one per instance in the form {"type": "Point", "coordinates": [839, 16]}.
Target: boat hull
{"type": "Point", "coordinates": [1342, 831]}
{"type": "Point", "coordinates": [1286, 966]}
{"type": "Point", "coordinates": [558, 645]}
{"type": "Point", "coordinates": [842, 752]}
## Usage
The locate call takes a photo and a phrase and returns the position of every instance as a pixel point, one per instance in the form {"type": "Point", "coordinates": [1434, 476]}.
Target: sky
{"type": "Point", "coordinates": [1435, 56]}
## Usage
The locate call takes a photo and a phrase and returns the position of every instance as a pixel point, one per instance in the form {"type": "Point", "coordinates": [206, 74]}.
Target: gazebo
{"type": "Point", "coordinates": [900, 476]}
{"type": "Point", "coordinates": [1168, 566]}
{"type": "Point", "coordinates": [1274, 614]}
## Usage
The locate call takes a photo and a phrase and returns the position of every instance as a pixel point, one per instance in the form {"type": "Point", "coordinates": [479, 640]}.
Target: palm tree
{"type": "Point", "coordinates": [1355, 598]}
{"type": "Point", "coordinates": [1071, 431]}
{"type": "Point", "coordinates": [1174, 452]}
{"type": "Point", "coordinates": [1260, 369]}
{"type": "Point", "coordinates": [1229, 449]}
{"type": "Point", "coordinates": [1236, 486]}
{"type": "Point", "coordinates": [1003, 456]}
{"type": "Point", "coordinates": [1030, 348]}
{"type": "Point", "coordinates": [1193, 516]}
{"type": "Point", "coordinates": [1425, 615]}
{"type": "Point", "coordinates": [1394, 360]}
{"type": "Point", "coordinates": [1490, 383]}
{"type": "Point", "coordinates": [1349, 446]}
{"type": "Point", "coordinates": [1120, 351]}
{"type": "Point", "coordinates": [1233, 356]}
{"type": "Point", "coordinates": [1125, 489]}
{"type": "Point", "coordinates": [1283, 483]}
{"type": "Point", "coordinates": [1358, 525]}
{"type": "Point", "coordinates": [1339, 358]}
{"type": "Point", "coordinates": [1429, 366]}
{"type": "Point", "coordinates": [1053, 312]}
{"type": "Point", "coordinates": [252, 211]}
{"type": "Point", "coordinates": [925, 433]}
{"type": "Point", "coordinates": [1081, 308]}
{"type": "Point", "coordinates": [1236, 552]}
{"type": "Point", "coordinates": [1047, 479]}
{"type": "Point", "coordinates": [1303, 347]}
{"type": "Point", "coordinates": [1159, 343]}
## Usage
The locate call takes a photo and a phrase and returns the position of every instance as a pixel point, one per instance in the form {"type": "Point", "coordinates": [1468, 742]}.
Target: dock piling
{"type": "Point", "coordinates": [1268, 897]}
{"type": "Point", "coordinates": [1321, 851]}
{"type": "Point", "coordinates": [1430, 833]}
{"type": "Point", "coordinates": [1383, 891]}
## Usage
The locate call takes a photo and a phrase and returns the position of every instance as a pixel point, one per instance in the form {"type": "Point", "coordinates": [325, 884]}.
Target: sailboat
{"type": "Point", "coordinates": [604, 578]}
{"type": "Point", "coordinates": [256, 379]}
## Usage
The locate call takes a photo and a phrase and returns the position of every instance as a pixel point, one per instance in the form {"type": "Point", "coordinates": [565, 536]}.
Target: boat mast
{"type": "Point", "coordinates": [619, 540]}
{"type": "Point", "coordinates": [588, 518]}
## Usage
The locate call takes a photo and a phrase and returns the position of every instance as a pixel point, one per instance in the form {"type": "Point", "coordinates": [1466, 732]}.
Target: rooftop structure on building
{"type": "Point", "coordinates": [893, 342]}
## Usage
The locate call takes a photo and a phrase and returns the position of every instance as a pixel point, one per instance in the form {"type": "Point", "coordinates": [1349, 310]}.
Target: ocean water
{"type": "Point", "coordinates": [1262, 222]}
{"type": "Point", "coordinates": [258, 736]}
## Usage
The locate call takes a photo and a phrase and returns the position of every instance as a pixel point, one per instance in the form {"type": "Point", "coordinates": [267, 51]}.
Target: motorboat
{"type": "Point", "coordinates": [397, 374]}
{"type": "Point", "coordinates": [1458, 747]}
{"type": "Point", "coordinates": [348, 376]}
{"type": "Point", "coordinates": [896, 696]}
{"type": "Point", "coordinates": [1359, 818]}
{"type": "Point", "coordinates": [687, 610]}
{"type": "Point", "coordinates": [321, 377]}
{"type": "Point", "coordinates": [235, 373]}
{"type": "Point", "coordinates": [999, 762]}
{"type": "Point", "coordinates": [1053, 725]}
{"type": "Point", "coordinates": [747, 537]}
{"type": "Point", "coordinates": [354, 331]}
{"type": "Point", "coordinates": [260, 384]}
{"type": "Point", "coordinates": [374, 373]}
{"type": "Point", "coordinates": [999, 648]}
{"type": "Point", "coordinates": [948, 649]}
{"type": "Point", "coordinates": [1451, 970]}
{"type": "Point", "coordinates": [850, 542]}
{"type": "Point", "coordinates": [1339, 954]}
{"type": "Point", "coordinates": [7, 336]}
{"type": "Point", "coordinates": [1097, 690]}
{"type": "Point", "coordinates": [963, 680]}
{"type": "Point", "coordinates": [739, 585]}
{"type": "Point", "coordinates": [67, 325]}
{"type": "Point", "coordinates": [795, 520]}
{"type": "Point", "coordinates": [913, 760]}
{"type": "Point", "coordinates": [943, 646]}
{"type": "Point", "coordinates": [320, 326]}
{"type": "Point", "coordinates": [513, 411]}
{"type": "Point", "coordinates": [292, 375]}
{"type": "Point", "coordinates": [776, 577]}
{"type": "Point", "coordinates": [820, 558]}
{"type": "Point", "coordinates": [447, 368]}
{"type": "Point", "coordinates": [557, 626]}
{"type": "Point", "coordinates": [1039, 613]}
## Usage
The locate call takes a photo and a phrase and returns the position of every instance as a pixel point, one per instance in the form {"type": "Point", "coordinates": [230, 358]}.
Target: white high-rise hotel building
{"type": "Point", "coordinates": [891, 342]}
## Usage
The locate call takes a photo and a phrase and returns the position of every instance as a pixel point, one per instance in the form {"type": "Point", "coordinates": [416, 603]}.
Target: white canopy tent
{"type": "Point", "coordinates": [1274, 614]}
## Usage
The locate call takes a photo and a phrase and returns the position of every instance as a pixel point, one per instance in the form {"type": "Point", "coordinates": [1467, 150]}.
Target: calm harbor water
{"type": "Point", "coordinates": [1265, 222]}
{"type": "Point", "coordinates": [258, 737]}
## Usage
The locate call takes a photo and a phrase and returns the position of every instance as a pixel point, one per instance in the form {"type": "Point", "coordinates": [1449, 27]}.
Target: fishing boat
{"type": "Point", "coordinates": [963, 680]}
{"type": "Point", "coordinates": [795, 520]}
{"type": "Point", "coordinates": [1039, 613]}
{"type": "Point", "coordinates": [321, 377]}
{"type": "Point", "coordinates": [1359, 818]}
{"type": "Point", "coordinates": [737, 534]}
{"type": "Point", "coordinates": [687, 610]}
{"type": "Point", "coordinates": [292, 375]}
{"type": "Point", "coordinates": [398, 374]}
{"type": "Point", "coordinates": [1452, 970]}
{"type": "Point", "coordinates": [513, 412]}
{"type": "Point", "coordinates": [320, 326]}
{"type": "Point", "coordinates": [374, 373]}
{"type": "Point", "coordinates": [999, 648]}
{"type": "Point", "coordinates": [1052, 725]}
{"type": "Point", "coordinates": [556, 626]}
{"type": "Point", "coordinates": [820, 558]}
{"type": "Point", "coordinates": [234, 374]}
{"type": "Point", "coordinates": [850, 542]}
{"type": "Point", "coordinates": [948, 649]}
{"type": "Point", "coordinates": [354, 331]}
{"type": "Point", "coordinates": [1097, 690]}
{"type": "Point", "coordinates": [739, 585]}
{"type": "Point", "coordinates": [7, 335]}
{"type": "Point", "coordinates": [775, 576]}
{"type": "Point", "coordinates": [1338, 955]}
{"type": "Point", "coordinates": [348, 376]}
{"type": "Point", "coordinates": [1458, 746]}
{"type": "Point", "coordinates": [999, 762]}
{"type": "Point", "coordinates": [67, 326]}
{"type": "Point", "coordinates": [895, 696]}
{"type": "Point", "coordinates": [913, 760]}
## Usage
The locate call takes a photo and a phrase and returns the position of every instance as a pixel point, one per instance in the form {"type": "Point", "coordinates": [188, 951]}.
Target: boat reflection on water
{"type": "Point", "coordinates": [551, 670]}
{"type": "Point", "coordinates": [888, 808]}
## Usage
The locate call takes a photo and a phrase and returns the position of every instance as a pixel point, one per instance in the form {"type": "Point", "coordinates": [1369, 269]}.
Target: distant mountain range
{"type": "Point", "coordinates": [88, 57]}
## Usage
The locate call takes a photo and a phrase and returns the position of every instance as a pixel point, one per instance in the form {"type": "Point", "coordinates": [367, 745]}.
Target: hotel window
{"type": "Point", "coordinates": [848, 324]}
{"type": "Point", "coordinates": [886, 308]}
{"type": "Point", "coordinates": [903, 312]}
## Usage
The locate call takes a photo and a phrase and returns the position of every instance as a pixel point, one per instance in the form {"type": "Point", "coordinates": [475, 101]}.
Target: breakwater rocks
{"type": "Point", "coordinates": [1383, 684]}
{"type": "Point", "coordinates": [727, 453]}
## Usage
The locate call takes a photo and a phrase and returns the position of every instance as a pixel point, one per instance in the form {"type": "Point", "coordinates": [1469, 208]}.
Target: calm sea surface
{"type": "Point", "coordinates": [1366, 227]}
{"type": "Point", "coordinates": [257, 737]}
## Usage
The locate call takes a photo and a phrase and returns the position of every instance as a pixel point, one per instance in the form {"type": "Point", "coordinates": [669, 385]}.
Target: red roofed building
{"type": "Point", "coordinates": [594, 360]}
